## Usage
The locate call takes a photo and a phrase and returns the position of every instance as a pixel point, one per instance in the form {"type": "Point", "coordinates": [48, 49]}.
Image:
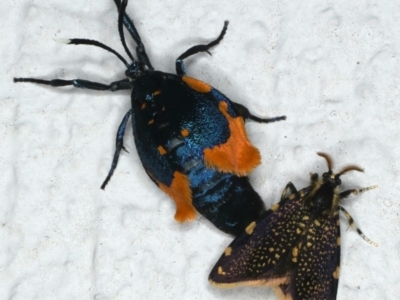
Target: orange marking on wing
{"type": "Point", "coordinates": [162, 150]}
{"type": "Point", "coordinates": [185, 132]}
{"type": "Point", "coordinates": [237, 155]}
{"type": "Point", "coordinates": [150, 122]}
{"type": "Point", "coordinates": [181, 193]}
{"type": "Point", "coordinates": [197, 85]}
{"type": "Point", "coordinates": [143, 106]}
{"type": "Point", "coordinates": [158, 92]}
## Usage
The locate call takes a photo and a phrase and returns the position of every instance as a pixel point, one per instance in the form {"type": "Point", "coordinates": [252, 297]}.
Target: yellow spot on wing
{"type": "Point", "coordinates": [295, 252]}
{"type": "Point", "coordinates": [228, 251]}
{"type": "Point", "coordinates": [275, 207]}
{"type": "Point", "coordinates": [336, 273]}
{"type": "Point", "coordinates": [220, 271]}
{"type": "Point", "coordinates": [250, 228]}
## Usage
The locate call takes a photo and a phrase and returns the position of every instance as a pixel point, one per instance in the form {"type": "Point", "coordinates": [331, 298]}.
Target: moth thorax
{"type": "Point", "coordinates": [321, 202]}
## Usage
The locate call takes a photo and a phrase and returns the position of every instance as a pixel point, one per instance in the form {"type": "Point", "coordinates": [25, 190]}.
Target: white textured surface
{"type": "Point", "coordinates": [332, 67]}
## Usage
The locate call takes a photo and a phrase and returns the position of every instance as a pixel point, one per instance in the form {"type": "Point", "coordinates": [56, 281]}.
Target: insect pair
{"type": "Point", "coordinates": [193, 145]}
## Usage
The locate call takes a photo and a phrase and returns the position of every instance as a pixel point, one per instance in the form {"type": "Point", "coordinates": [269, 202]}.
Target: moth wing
{"type": "Point", "coordinates": [262, 254]}
{"type": "Point", "coordinates": [287, 249]}
{"type": "Point", "coordinates": [316, 273]}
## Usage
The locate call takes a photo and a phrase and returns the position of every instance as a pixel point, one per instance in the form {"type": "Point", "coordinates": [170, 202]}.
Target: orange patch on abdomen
{"type": "Point", "coordinates": [237, 155]}
{"type": "Point", "coordinates": [181, 193]}
{"type": "Point", "coordinates": [197, 85]}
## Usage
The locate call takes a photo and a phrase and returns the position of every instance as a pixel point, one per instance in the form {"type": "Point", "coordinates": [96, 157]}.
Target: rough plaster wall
{"type": "Point", "coordinates": [331, 66]}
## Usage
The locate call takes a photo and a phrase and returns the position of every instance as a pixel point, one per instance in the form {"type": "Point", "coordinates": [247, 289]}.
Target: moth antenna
{"type": "Point", "coordinates": [121, 14]}
{"type": "Point", "coordinates": [350, 168]}
{"type": "Point", "coordinates": [328, 159]}
{"type": "Point", "coordinates": [92, 43]}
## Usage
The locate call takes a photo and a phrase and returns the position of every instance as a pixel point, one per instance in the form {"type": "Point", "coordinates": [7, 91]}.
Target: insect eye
{"type": "Point", "coordinates": [325, 175]}
{"type": "Point", "coordinates": [338, 181]}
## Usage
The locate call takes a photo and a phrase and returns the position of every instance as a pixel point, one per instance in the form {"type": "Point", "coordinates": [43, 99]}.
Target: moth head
{"type": "Point", "coordinates": [334, 179]}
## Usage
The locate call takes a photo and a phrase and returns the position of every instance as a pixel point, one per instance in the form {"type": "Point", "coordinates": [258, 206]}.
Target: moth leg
{"type": "Point", "coordinates": [356, 191]}
{"type": "Point", "coordinates": [314, 179]}
{"type": "Point", "coordinates": [180, 67]}
{"type": "Point", "coordinates": [352, 225]}
{"type": "Point", "coordinates": [246, 114]}
{"type": "Point", "coordinates": [123, 84]}
{"type": "Point", "coordinates": [118, 146]}
{"type": "Point", "coordinates": [290, 189]}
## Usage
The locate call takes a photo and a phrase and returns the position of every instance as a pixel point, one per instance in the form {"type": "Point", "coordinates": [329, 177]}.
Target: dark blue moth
{"type": "Point", "coordinates": [295, 246]}
{"type": "Point", "coordinates": [189, 136]}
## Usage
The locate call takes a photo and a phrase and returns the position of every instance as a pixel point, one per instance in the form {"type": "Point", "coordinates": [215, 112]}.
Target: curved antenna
{"type": "Point", "coordinates": [129, 24]}
{"type": "Point", "coordinates": [121, 29]}
{"type": "Point", "coordinates": [350, 168]}
{"type": "Point", "coordinates": [92, 43]}
{"type": "Point", "coordinates": [328, 159]}
{"type": "Point", "coordinates": [140, 49]}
